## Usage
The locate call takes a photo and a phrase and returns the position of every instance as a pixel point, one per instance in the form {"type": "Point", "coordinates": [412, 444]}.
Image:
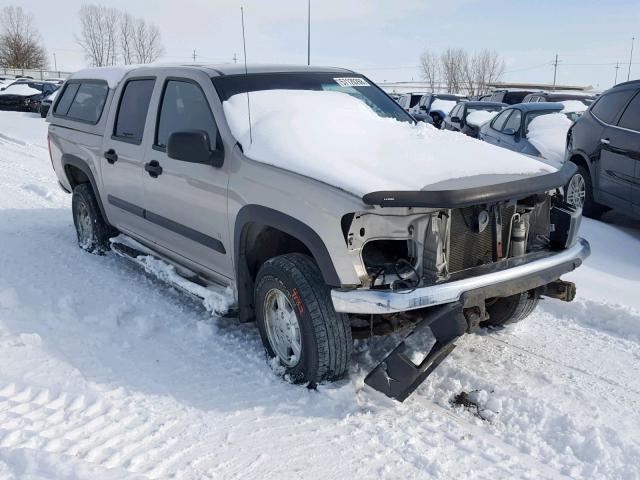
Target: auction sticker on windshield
{"type": "Point", "coordinates": [352, 82]}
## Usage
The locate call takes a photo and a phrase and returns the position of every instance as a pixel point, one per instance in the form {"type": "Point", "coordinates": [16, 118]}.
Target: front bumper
{"type": "Point", "coordinates": [506, 278]}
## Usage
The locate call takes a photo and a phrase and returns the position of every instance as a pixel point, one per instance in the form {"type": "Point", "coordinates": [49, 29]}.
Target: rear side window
{"type": "Point", "coordinates": [609, 105]}
{"type": "Point", "coordinates": [631, 117]}
{"type": "Point", "coordinates": [64, 103]}
{"type": "Point", "coordinates": [132, 111]}
{"type": "Point", "coordinates": [184, 107]}
{"type": "Point", "coordinates": [89, 101]}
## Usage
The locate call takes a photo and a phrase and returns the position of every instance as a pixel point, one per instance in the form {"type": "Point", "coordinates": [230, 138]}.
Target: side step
{"type": "Point", "coordinates": [216, 298]}
{"type": "Point", "coordinates": [397, 376]}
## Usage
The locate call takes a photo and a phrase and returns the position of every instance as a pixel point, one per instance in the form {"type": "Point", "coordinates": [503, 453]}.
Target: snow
{"type": "Point", "coordinates": [20, 89]}
{"type": "Point", "coordinates": [573, 106]}
{"type": "Point", "coordinates": [365, 152]}
{"type": "Point", "coordinates": [107, 373]}
{"type": "Point", "coordinates": [444, 106]}
{"type": "Point", "coordinates": [548, 133]}
{"type": "Point", "coordinates": [480, 117]}
{"type": "Point", "coordinates": [52, 96]}
{"type": "Point", "coordinates": [111, 75]}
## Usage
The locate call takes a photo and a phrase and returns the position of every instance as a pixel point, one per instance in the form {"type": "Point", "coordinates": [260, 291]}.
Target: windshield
{"type": "Point", "coordinates": [355, 85]}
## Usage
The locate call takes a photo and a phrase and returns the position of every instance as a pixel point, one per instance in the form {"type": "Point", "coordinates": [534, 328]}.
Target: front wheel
{"type": "Point", "coordinates": [579, 192]}
{"type": "Point", "coordinates": [505, 310]}
{"type": "Point", "coordinates": [298, 326]}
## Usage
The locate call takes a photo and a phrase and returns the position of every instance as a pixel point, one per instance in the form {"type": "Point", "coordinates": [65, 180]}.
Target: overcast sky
{"type": "Point", "coordinates": [381, 38]}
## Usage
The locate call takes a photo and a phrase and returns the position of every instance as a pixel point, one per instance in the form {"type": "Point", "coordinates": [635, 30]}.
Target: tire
{"type": "Point", "coordinates": [323, 336]}
{"type": "Point", "coordinates": [93, 232]}
{"type": "Point", "coordinates": [506, 310]}
{"type": "Point", "coordinates": [589, 206]}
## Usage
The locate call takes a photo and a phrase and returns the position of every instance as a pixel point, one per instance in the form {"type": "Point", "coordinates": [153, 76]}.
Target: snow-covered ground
{"type": "Point", "coordinates": [107, 373]}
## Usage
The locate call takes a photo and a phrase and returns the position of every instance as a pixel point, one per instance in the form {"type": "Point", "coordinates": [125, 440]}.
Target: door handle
{"type": "Point", "coordinates": [153, 168]}
{"type": "Point", "coordinates": [605, 141]}
{"type": "Point", "coordinates": [111, 156]}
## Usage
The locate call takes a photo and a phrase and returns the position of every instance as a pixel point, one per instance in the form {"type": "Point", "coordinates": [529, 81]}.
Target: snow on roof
{"type": "Point", "coordinates": [111, 75]}
{"type": "Point", "coordinates": [444, 106]}
{"type": "Point", "coordinates": [480, 117]}
{"type": "Point", "coordinates": [548, 133]}
{"type": "Point", "coordinates": [346, 144]}
{"type": "Point", "coordinates": [573, 106]}
{"type": "Point", "coordinates": [20, 89]}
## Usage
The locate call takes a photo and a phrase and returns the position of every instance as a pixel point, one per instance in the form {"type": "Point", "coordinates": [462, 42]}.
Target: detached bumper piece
{"type": "Point", "coordinates": [397, 376]}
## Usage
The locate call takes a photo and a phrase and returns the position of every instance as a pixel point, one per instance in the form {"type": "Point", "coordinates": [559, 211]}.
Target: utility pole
{"type": "Point", "coordinates": [235, 58]}
{"type": "Point", "coordinates": [194, 56]}
{"type": "Point", "coordinates": [630, 59]}
{"type": "Point", "coordinates": [615, 81]}
{"type": "Point", "coordinates": [308, 32]}
{"type": "Point", "coordinates": [555, 71]}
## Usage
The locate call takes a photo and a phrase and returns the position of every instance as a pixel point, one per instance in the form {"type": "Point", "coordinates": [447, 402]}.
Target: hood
{"type": "Point", "coordinates": [336, 138]}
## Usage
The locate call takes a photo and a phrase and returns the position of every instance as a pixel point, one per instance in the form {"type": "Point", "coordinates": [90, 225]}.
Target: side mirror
{"type": "Point", "coordinates": [455, 119]}
{"type": "Point", "coordinates": [509, 131]}
{"type": "Point", "coordinates": [193, 146]}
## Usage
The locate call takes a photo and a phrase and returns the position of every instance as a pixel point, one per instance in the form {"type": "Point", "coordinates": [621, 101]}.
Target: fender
{"type": "Point", "coordinates": [69, 159]}
{"type": "Point", "coordinates": [281, 221]}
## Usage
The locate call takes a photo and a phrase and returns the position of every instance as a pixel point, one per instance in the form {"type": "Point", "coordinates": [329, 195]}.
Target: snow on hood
{"type": "Point", "coordinates": [22, 89]}
{"type": "Point", "coordinates": [480, 117]}
{"type": "Point", "coordinates": [336, 138]}
{"type": "Point", "coordinates": [444, 106]}
{"type": "Point", "coordinates": [548, 133]}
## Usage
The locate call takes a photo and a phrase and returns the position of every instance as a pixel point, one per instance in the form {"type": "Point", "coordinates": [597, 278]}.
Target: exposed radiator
{"type": "Point", "coordinates": [468, 248]}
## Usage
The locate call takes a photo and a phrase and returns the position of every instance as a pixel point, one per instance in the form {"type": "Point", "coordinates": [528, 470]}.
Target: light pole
{"type": "Point", "coordinates": [308, 32]}
{"type": "Point", "coordinates": [630, 59]}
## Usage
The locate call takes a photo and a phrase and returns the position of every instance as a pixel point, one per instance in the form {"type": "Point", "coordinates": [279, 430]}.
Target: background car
{"type": "Point", "coordinates": [433, 107]}
{"type": "Point", "coordinates": [510, 96]}
{"type": "Point", "coordinates": [585, 98]}
{"type": "Point", "coordinates": [25, 96]}
{"type": "Point", "coordinates": [605, 145]}
{"type": "Point", "coordinates": [409, 100]}
{"type": "Point", "coordinates": [46, 102]}
{"type": "Point", "coordinates": [509, 128]}
{"type": "Point", "coordinates": [456, 120]}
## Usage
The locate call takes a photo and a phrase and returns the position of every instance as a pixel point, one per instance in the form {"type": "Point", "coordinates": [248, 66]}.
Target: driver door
{"type": "Point", "coordinates": [186, 202]}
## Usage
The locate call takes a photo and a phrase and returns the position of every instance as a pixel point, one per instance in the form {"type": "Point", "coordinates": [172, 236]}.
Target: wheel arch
{"type": "Point", "coordinates": [78, 171]}
{"type": "Point", "coordinates": [274, 233]}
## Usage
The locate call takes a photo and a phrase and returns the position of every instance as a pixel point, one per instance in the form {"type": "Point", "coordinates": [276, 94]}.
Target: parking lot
{"type": "Point", "coordinates": [106, 372]}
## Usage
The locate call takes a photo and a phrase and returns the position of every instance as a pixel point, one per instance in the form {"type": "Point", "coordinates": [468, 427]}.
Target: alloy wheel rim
{"type": "Point", "coordinates": [576, 190]}
{"type": "Point", "coordinates": [283, 329]}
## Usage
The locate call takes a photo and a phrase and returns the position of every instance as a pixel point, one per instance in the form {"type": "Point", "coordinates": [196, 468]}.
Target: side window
{"type": "Point", "coordinates": [514, 121]}
{"type": "Point", "coordinates": [89, 102]}
{"type": "Point", "coordinates": [132, 111]}
{"type": "Point", "coordinates": [184, 107]}
{"type": "Point", "coordinates": [631, 117]}
{"type": "Point", "coordinates": [608, 106]}
{"type": "Point", "coordinates": [62, 107]}
{"type": "Point", "coordinates": [499, 121]}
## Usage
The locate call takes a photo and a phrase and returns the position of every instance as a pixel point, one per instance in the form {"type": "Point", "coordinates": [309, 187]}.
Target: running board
{"type": "Point", "coordinates": [215, 297]}
{"type": "Point", "coordinates": [397, 376]}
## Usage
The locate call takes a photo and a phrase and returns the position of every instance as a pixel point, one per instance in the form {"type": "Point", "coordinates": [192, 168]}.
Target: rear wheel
{"type": "Point", "coordinates": [93, 232]}
{"type": "Point", "coordinates": [506, 310]}
{"type": "Point", "coordinates": [298, 325]}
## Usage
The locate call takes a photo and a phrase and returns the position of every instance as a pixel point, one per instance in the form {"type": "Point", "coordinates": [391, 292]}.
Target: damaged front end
{"type": "Point", "coordinates": [426, 267]}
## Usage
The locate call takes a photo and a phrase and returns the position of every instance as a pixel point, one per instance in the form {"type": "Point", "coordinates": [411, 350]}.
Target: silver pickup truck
{"type": "Point", "coordinates": [149, 152]}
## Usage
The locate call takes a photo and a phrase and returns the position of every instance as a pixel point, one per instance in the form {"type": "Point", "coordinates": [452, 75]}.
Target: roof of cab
{"type": "Point", "coordinates": [538, 106]}
{"type": "Point", "coordinates": [113, 75]}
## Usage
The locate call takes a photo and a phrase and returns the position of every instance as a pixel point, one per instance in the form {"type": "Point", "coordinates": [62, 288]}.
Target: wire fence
{"type": "Point", "coordinates": [35, 74]}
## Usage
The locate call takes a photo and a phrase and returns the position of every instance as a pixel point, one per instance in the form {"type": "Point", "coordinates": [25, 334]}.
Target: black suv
{"type": "Point", "coordinates": [605, 144]}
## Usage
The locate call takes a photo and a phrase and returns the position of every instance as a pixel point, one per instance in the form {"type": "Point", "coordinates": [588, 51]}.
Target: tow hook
{"type": "Point", "coordinates": [559, 289]}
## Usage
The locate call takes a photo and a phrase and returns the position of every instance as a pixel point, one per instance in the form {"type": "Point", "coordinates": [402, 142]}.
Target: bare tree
{"type": "Point", "coordinates": [127, 34]}
{"type": "Point", "coordinates": [430, 64]}
{"type": "Point", "coordinates": [147, 43]}
{"type": "Point", "coordinates": [489, 68]}
{"type": "Point", "coordinates": [452, 62]}
{"type": "Point", "coordinates": [99, 35]}
{"type": "Point", "coordinates": [20, 45]}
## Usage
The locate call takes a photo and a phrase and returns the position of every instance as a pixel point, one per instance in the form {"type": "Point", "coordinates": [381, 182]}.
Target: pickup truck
{"type": "Point", "coordinates": [243, 179]}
